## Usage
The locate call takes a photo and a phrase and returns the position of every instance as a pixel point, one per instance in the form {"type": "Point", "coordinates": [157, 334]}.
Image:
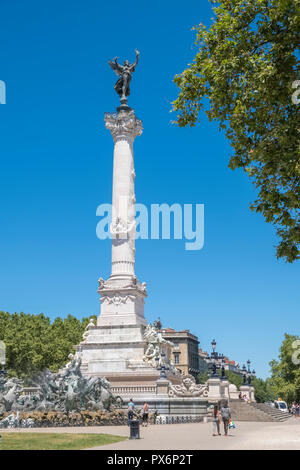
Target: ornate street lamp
{"type": "Point", "coordinates": [248, 363]}
{"type": "Point", "coordinates": [244, 375]}
{"type": "Point", "coordinates": [253, 373]}
{"type": "Point", "coordinates": [2, 357]}
{"type": "Point", "coordinates": [213, 345]}
{"type": "Point", "coordinates": [3, 372]}
{"type": "Point", "coordinates": [213, 358]}
{"type": "Point", "coordinates": [214, 370]}
{"type": "Point", "coordinates": [217, 360]}
{"type": "Point", "coordinates": [162, 367]}
{"type": "Point", "coordinates": [223, 377]}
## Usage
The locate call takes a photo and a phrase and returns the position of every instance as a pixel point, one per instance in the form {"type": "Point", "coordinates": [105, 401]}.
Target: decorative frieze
{"type": "Point", "coordinates": [116, 299]}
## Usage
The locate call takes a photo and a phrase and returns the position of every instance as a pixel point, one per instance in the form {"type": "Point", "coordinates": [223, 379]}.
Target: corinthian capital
{"type": "Point", "coordinates": [123, 125]}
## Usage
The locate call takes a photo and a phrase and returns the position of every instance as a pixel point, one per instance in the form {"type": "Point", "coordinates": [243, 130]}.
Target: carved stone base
{"type": "Point", "coordinates": [122, 302]}
{"type": "Point", "coordinates": [116, 352]}
{"type": "Point", "coordinates": [214, 389]}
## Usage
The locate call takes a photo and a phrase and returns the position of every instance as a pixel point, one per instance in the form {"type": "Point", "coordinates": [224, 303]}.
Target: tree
{"type": "Point", "coordinates": [234, 378]}
{"type": "Point", "coordinates": [285, 376]}
{"type": "Point", "coordinates": [25, 337]}
{"type": "Point", "coordinates": [264, 391]}
{"type": "Point", "coordinates": [33, 343]}
{"type": "Point", "coordinates": [203, 377]}
{"type": "Point", "coordinates": [247, 67]}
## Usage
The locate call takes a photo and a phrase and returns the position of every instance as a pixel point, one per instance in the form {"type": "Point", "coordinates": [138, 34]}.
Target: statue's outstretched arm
{"type": "Point", "coordinates": [136, 61]}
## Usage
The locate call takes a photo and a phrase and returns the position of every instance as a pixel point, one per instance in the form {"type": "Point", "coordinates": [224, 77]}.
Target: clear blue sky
{"type": "Point", "coordinates": [56, 168]}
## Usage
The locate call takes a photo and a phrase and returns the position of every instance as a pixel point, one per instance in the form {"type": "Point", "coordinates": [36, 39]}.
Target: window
{"type": "Point", "coordinates": [176, 358]}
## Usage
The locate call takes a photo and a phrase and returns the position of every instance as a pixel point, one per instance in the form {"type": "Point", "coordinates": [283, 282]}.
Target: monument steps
{"type": "Point", "coordinates": [242, 411]}
{"type": "Point", "coordinates": [276, 414]}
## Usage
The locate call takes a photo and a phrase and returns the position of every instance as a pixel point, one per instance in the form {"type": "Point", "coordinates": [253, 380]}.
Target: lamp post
{"type": "Point", "coordinates": [217, 361]}
{"type": "Point", "coordinates": [248, 364]}
{"type": "Point", "coordinates": [161, 367]}
{"type": "Point", "coordinates": [214, 370]}
{"type": "Point", "coordinates": [223, 377]}
{"type": "Point", "coordinates": [213, 345]}
{"type": "Point", "coordinates": [244, 375]}
{"type": "Point", "coordinates": [213, 359]}
{"type": "Point", "coordinates": [2, 357]}
{"type": "Point", "coordinates": [3, 372]}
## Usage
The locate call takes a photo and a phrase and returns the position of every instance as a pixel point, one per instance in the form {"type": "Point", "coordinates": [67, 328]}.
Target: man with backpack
{"type": "Point", "coordinates": [130, 411]}
{"type": "Point", "coordinates": [226, 416]}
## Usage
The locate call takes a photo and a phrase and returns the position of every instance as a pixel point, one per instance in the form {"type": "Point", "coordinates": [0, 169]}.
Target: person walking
{"type": "Point", "coordinates": [216, 421]}
{"type": "Point", "coordinates": [226, 416]}
{"type": "Point", "coordinates": [145, 414]}
{"type": "Point", "coordinates": [130, 410]}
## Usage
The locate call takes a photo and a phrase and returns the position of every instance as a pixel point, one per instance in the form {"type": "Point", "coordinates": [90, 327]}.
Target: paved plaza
{"type": "Point", "coordinates": [197, 436]}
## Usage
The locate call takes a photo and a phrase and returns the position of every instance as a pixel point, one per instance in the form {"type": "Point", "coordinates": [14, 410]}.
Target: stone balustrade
{"type": "Point", "coordinates": [28, 391]}
{"type": "Point", "coordinates": [134, 390]}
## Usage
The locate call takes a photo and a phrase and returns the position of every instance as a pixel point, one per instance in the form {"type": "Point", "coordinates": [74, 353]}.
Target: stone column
{"type": "Point", "coordinates": [124, 127]}
{"type": "Point", "coordinates": [225, 389]}
{"type": "Point", "coordinates": [122, 296]}
{"type": "Point", "coordinates": [252, 394]}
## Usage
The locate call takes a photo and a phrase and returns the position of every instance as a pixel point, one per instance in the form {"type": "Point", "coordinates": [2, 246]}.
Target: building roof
{"type": "Point", "coordinates": [186, 333]}
{"type": "Point", "coordinates": [202, 353]}
{"type": "Point", "coordinates": [227, 361]}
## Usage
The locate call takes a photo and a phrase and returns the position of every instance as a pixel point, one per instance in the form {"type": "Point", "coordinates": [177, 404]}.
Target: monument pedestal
{"type": "Point", "coordinates": [116, 352]}
{"type": "Point", "coordinates": [214, 389]}
{"type": "Point", "coordinates": [245, 390]}
{"type": "Point", "coordinates": [225, 389]}
{"type": "Point", "coordinates": [252, 394]}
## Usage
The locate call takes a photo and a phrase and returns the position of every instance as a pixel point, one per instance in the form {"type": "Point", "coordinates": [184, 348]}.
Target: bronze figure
{"type": "Point", "coordinates": [124, 72]}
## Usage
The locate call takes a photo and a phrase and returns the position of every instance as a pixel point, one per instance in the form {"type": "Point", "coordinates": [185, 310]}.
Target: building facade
{"type": "Point", "coordinates": [185, 351]}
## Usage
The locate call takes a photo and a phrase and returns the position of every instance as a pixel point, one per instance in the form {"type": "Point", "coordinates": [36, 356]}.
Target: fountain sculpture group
{"type": "Point", "coordinates": [68, 390]}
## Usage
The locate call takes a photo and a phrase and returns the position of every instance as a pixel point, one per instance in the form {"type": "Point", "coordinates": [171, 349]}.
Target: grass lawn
{"type": "Point", "coordinates": [51, 441]}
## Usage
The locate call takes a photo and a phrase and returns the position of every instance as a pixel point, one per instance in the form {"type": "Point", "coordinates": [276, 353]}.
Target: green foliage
{"type": "Point", "coordinates": [285, 376]}
{"type": "Point", "coordinates": [246, 66]}
{"type": "Point", "coordinates": [264, 391]}
{"type": "Point", "coordinates": [234, 378]}
{"type": "Point", "coordinates": [203, 377]}
{"type": "Point", "coordinates": [33, 343]}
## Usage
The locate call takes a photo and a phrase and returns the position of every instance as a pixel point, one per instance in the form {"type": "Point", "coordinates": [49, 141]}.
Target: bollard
{"type": "Point", "coordinates": [134, 429]}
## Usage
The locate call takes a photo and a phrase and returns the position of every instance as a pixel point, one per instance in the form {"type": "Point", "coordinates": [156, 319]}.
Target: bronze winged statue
{"type": "Point", "coordinates": [124, 72]}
